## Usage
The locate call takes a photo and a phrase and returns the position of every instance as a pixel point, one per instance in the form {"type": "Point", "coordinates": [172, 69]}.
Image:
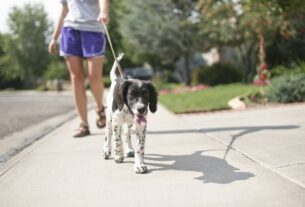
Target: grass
{"type": "Point", "coordinates": [211, 99]}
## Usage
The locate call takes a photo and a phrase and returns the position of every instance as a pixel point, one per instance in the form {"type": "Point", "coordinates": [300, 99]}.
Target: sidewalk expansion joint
{"type": "Point", "coordinates": [290, 165]}
{"type": "Point", "coordinates": [251, 158]}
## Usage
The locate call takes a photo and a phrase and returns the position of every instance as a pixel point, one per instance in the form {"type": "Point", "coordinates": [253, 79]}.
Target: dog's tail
{"type": "Point", "coordinates": [113, 72]}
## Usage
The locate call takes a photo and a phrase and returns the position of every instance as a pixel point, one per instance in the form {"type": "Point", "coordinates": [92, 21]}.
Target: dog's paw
{"type": "Point", "coordinates": [107, 155]}
{"type": "Point", "coordinates": [141, 169]}
{"type": "Point", "coordinates": [119, 159]}
{"type": "Point", "coordinates": [130, 154]}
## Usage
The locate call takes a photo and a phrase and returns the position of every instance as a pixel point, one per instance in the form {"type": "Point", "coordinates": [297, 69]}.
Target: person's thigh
{"type": "Point", "coordinates": [95, 67]}
{"type": "Point", "coordinates": [75, 67]}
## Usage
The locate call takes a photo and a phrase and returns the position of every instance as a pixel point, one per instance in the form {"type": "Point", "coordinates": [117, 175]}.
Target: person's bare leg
{"type": "Point", "coordinates": [95, 74]}
{"type": "Point", "coordinates": [77, 75]}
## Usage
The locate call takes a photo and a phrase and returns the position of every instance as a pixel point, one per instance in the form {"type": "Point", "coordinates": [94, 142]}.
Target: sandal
{"type": "Point", "coordinates": [82, 131]}
{"type": "Point", "coordinates": [101, 118]}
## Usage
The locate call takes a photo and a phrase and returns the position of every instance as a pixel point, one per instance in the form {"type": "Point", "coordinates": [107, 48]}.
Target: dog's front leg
{"type": "Point", "coordinates": [140, 166]}
{"type": "Point", "coordinates": [118, 151]}
{"type": "Point", "coordinates": [108, 135]}
{"type": "Point", "coordinates": [127, 133]}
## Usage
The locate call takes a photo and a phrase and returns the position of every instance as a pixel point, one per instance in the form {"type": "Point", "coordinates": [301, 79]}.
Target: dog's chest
{"type": "Point", "coordinates": [124, 115]}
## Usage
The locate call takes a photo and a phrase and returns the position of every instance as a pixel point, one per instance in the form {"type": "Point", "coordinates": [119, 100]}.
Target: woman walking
{"type": "Point", "coordinates": [82, 38]}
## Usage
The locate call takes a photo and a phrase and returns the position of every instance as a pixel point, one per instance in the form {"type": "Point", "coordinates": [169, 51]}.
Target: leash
{"type": "Point", "coordinates": [112, 50]}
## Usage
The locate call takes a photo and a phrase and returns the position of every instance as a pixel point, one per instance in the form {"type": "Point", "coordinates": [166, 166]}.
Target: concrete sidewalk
{"type": "Point", "coordinates": [188, 157]}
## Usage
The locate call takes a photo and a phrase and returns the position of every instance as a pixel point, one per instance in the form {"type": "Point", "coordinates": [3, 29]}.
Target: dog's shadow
{"type": "Point", "coordinates": [213, 169]}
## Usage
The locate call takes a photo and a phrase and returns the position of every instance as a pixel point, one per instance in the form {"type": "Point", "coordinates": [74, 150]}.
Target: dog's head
{"type": "Point", "coordinates": [137, 95]}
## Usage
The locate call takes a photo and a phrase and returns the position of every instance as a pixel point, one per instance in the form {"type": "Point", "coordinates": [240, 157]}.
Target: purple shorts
{"type": "Point", "coordinates": [81, 43]}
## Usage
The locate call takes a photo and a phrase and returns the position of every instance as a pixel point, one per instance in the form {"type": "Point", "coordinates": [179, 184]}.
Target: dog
{"type": "Point", "coordinates": [128, 101]}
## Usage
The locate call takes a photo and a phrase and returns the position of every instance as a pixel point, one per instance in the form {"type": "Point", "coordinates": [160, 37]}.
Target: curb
{"type": "Point", "coordinates": [44, 130]}
{"type": "Point", "coordinates": [32, 134]}
{"type": "Point", "coordinates": [19, 141]}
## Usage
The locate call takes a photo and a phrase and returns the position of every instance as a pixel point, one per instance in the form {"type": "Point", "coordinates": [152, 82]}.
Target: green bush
{"type": "Point", "coordinates": [287, 88]}
{"type": "Point", "coordinates": [42, 87]}
{"type": "Point", "coordinates": [56, 70]}
{"type": "Point", "coordinates": [106, 80]}
{"type": "Point", "coordinates": [282, 70]}
{"type": "Point", "coordinates": [216, 74]}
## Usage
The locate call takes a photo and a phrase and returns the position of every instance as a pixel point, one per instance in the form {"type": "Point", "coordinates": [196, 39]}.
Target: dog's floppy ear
{"type": "Point", "coordinates": [119, 95]}
{"type": "Point", "coordinates": [153, 98]}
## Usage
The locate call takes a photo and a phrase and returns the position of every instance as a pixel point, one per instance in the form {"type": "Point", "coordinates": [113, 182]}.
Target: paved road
{"type": "Point", "coordinates": [21, 110]}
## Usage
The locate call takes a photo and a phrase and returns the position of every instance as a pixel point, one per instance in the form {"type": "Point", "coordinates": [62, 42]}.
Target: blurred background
{"type": "Point", "coordinates": [183, 45]}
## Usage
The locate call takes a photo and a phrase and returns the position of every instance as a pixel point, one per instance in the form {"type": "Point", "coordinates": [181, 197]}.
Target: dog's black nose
{"type": "Point", "coordinates": [141, 110]}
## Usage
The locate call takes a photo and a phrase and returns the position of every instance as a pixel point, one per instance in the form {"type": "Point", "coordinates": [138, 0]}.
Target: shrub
{"type": "Point", "coordinates": [216, 74]}
{"type": "Point", "coordinates": [287, 88]}
{"type": "Point", "coordinates": [56, 70]}
{"type": "Point", "coordinates": [279, 70]}
{"type": "Point", "coordinates": [282, 70]}
{"type": "Point", "coordinates": [106, 80]}
{"type": "Point", "coordinates": [42, 87]}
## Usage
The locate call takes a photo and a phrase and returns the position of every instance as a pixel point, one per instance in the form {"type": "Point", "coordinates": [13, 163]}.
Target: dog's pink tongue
{"type": "Point", "coordinates": [140, 119]}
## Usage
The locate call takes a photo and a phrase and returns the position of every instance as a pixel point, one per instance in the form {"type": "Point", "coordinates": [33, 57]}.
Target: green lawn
{"type": "Point", "coordinates": [211, 99]}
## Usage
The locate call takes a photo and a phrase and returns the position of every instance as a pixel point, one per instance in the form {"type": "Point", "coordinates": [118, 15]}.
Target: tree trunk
{"type": "Point", "coordinates": [262, 53]}
{"type": "Point", "coordinates": [243, 62]}
{"type": "Point", "coordinates": [187, 69]}
{"type": "Point", "coordinates": [30, 81]}
{"type": "Point", "coordinates": [246, 55]}
{"type": "Point", "coordinates": [251, 51]}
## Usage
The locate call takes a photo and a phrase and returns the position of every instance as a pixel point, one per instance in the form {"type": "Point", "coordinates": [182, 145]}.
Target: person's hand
{"type": "Point", "coordinates": [103, 17]}
{"type": "Point", "coordinates": [53, 47]}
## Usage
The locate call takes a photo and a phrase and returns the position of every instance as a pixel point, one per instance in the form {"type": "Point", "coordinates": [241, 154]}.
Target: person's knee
{"type": "Point", "coordinates": [95, 79]}
{"type": "Point", "coordinates": [77, 78]}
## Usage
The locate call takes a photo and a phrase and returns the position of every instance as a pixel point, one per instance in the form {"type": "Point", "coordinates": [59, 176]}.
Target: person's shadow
{"type": "Point", "coordinates": [243, 131]}
{"type": "Point", "coordinates": [213, 169]}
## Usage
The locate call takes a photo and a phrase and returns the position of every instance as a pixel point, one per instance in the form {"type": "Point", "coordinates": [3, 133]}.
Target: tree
{"type": "Point", "coordinates": [249, 25]}
{"type": "Point", "coordinates": [161, 31]}
{"type": "Point", "coordinates": [8, 68]}
{"type": "Point", "coordinates": [26, 49]}
{"type": "Point", "coordinates": [116, 37]}
{"type": "Point", "coordinates": [8, 73]}
{"type": "Point", "coordinates": [288, 47]}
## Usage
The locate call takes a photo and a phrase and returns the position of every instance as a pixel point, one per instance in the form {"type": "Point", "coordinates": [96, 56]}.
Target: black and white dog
{"type": "Point", "coordinates": [127, 104]}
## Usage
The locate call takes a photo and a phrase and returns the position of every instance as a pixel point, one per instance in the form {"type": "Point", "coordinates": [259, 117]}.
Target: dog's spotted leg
{"type": "Point", "coordinates": [140, 166]}
{"type": "Point", "coordinates": [118, 151]}
{"type": "Point", "coordinates": [129, 149]}
{"type": "Point", "coordinates": [108, 135]}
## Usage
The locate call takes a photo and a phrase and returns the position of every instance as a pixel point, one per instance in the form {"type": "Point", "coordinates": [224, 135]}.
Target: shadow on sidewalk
{"type": "Point", "coordinates": [244, 130]}
{"type": "Point", "coordinates": [213, 169]}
